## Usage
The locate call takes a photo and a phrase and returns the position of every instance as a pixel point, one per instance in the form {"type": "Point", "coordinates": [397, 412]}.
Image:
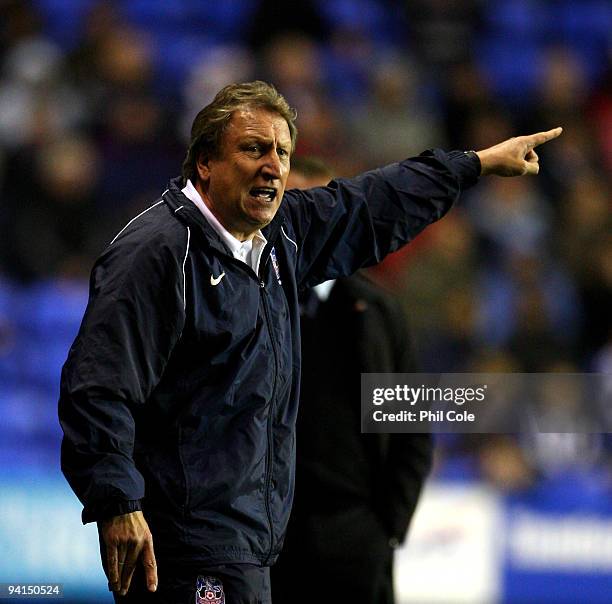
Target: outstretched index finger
{"type": "Point", "coordinates": [533, 140]}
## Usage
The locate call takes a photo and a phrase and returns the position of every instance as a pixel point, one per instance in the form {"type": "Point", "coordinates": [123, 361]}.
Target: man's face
{"type": "Point", "coordinates": [244, 186]}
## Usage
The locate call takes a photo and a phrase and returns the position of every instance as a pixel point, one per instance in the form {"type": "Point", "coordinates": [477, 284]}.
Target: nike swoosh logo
{"type": "Point", "coordinates": [216, 280]}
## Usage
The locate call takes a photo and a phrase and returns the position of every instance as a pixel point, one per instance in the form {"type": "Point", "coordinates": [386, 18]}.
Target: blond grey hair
{"type": "Point", "coordinates": [212, 121]}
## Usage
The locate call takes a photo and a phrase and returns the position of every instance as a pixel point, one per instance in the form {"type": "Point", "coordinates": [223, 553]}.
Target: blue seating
{"type": "Point", "coordinates": [51, 309]}
{"type": "Point", "coordinates": [512, 69]}
{"type": "Point", "coordinates": [517, 20]}
{"type": "Point", "coordinates": [223, 21]}
{"type": "Point", "coordinates": [175, 55]}
{"type": "Point", "coordinates": [47, 316]}
{"type": "Point", "coordinates": [29, 415]}
{"type": "Point", "coordinates": [63, 19]}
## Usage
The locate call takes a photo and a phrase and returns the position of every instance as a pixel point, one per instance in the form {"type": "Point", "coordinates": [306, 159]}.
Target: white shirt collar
{"type": "Point", "coordinates": [247, 251]}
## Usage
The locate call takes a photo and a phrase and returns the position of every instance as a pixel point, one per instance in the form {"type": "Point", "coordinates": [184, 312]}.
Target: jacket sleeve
{"type": "Point", "coordinates": [356, 222]}
{"type": "Point", "coordinates": [133, 320]}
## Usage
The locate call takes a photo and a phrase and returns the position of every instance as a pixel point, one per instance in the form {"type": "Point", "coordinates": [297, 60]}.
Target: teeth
{"type": "Point", "coordinates": [265, 193]}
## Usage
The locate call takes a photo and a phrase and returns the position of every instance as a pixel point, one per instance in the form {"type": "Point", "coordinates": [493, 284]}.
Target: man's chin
{"type": "Point", "coordinates": [260, 219]}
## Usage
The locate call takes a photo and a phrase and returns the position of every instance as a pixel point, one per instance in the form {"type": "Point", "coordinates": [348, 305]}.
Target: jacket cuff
{"type": "Point", "coordinates": [467, 166]}
{"type": "Point", "coordinates": [103, 511]}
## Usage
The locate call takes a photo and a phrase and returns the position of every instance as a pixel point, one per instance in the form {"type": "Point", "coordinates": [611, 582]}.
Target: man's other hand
{"type": "Point", "coordinates": [516, 156]}
{"type": "Point", "coordinates": [128, 540]}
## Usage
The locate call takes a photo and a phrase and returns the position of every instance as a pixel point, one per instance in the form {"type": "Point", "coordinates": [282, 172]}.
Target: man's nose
{"type": "Point", "coordinates": [271, 167]}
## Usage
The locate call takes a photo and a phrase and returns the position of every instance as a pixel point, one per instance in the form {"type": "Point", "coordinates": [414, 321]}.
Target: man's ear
{"type": "Point", "coordinates": [202, 167]}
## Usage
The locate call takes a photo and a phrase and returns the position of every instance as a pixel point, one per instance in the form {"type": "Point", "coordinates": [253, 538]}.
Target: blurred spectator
{"type": "Point", "coordinates": [293, 64]}
{"type": "Point", "coordinates": [102, 19]}
{"type": "Point", "coordinates": [396, 122]}
{"type": "Point", "coordinates": [51, 224]}
{"type": "Point", "coordinates": [561, 97]}
{"type": "Point", "coordinates": [600, 112]}
{"type": "Point", "coordinates": [561, 403]}
{"type": "Point", "coordinates": [529, 305]}
{"type": "Point", "coordinates": [123, 60]}
{"type": "Point", "coordinates": [437, 288]}
{"type": "Point", "coordinates": [510, 218]}
{"type": "Point", "coordinates": [466, 97]}
{"type": "Point", "coordinates": [111, 60]}
{"type": "Point", "coordinates": [349, 60]}
{"type": "Point", "coordinates": [584, 216]}
{"type": "Point", "coordinates": [573, 158]}
{"type": "Point", "coordinates": [563, 87]}
{"type": "Point", "coordinates": [503, 464]}
{"type": "Point", "coordinates": [443, 31]}
{"type": "Point", "coordinates": [208, 74]}
{"type": "Point", "coordinates": [138, 149]}
{"type": "Point", "coordinates": [36, 103]}
{"type": "Point", "coordinates": [18, 21]}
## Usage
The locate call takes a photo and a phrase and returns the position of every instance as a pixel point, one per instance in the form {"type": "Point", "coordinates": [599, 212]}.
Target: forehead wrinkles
{"type": "Point", "coordinates": [259, 122]}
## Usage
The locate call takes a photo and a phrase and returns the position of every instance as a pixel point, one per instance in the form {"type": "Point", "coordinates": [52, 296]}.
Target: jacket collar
{"type": "Point", "coordinates": [187, 212]}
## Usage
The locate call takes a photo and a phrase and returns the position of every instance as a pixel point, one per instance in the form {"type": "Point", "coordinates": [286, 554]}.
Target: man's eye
{"type": "Point", "coordinates": [282, 152]}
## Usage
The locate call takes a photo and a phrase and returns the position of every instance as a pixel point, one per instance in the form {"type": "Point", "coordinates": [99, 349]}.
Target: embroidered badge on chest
{"type": "Point", "coordinates": [209, 590]}
{"type": "Point", "coordinates": [275, 265]}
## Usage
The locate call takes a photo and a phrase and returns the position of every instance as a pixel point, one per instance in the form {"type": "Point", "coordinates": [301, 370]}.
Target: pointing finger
{"type": "Point", "coordinates": [543, 137]}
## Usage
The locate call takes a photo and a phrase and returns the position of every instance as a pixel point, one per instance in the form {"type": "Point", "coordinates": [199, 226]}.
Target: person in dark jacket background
{"type": "Point", "coordinates": [179, 395]}
{"type": "Point", "coordinates": [355, 493]}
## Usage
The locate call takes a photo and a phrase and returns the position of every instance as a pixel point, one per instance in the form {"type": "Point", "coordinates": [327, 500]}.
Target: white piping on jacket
{"type": "Point", "coordinates": [135, 217]}
{"type": "Point", "coordinates": [289, 239]}
{"type": "Point", "coordinates": [184, 278]}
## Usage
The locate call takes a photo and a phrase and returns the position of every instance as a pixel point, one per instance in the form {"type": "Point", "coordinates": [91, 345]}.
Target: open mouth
{"type": "Point", "coordinates": [265, 194]}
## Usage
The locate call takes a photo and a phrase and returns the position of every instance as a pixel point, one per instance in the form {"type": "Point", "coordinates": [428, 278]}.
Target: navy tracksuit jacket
{"type": "Point", "coordinates": [179, 395]}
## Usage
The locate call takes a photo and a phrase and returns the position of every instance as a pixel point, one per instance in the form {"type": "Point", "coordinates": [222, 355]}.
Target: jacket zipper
{"type": "Point", "coordinates": [269, 451]}
{"type": "Point", "coordinates": [268, 480]}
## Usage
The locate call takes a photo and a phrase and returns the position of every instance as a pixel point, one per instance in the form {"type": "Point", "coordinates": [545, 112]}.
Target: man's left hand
{"type": "Point", "coordinates": [128, 541]}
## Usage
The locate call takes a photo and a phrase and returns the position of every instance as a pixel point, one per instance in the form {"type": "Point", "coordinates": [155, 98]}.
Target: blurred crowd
{"type": "Point", "coordinates": [96, 99]}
